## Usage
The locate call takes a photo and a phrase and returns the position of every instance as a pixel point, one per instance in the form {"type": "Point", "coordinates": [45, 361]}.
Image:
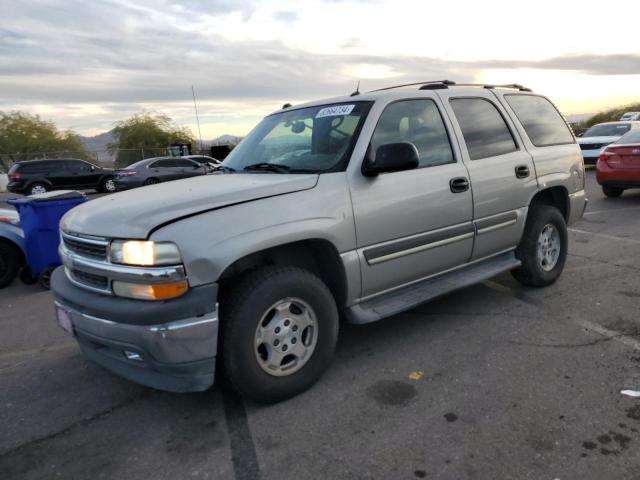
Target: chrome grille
{"type": "Point", "coordinates": [591, 146]}
{"type": "Point", "coordinates": [86, 247]}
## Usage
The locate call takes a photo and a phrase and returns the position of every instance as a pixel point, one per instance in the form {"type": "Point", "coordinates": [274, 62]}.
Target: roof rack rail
{"type": "Point", "coordinates": [490, 86]}
{"type": "Point", "coordinates": [433, 82]}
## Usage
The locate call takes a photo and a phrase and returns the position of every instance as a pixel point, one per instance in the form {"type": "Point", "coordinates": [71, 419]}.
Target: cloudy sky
{"type": "Point", "coordinates": [86, 64]}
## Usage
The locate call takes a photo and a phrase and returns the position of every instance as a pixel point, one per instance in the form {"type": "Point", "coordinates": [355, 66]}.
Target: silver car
{"type": "Point", "coordinates": [353, 208]}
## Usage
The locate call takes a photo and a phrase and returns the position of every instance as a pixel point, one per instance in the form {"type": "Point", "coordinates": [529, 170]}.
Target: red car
{"type": "Point", "coordinates": [618, 166]}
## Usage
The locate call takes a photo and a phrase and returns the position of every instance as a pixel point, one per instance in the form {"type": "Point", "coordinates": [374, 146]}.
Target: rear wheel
{"type": "Point", "coordinates": [543, 247]}
{"type": "Point", "coordinates": [36, 188]}
{"type": "Point", "coordinates": [279, 332]}
{"type": "Point", "coordinates": [107, 185]}
{"type": "Point", "coordinates": [151, 181]}
{"type": "Point", "coordinates": [9, 264]}
{"type": "Point", "coordinates": [612, 192]}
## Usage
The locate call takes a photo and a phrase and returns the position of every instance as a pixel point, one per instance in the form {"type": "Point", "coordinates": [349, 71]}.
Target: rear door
{"type": "Point", "coordinates": [412, 224]}
{"type": "Point", "coordinates": [188, 168]}
{"type": "Point", "coordinates": [163, 170]}
{"type": "Point", "coordinates": [502, 172]}
{"type": "Point", "coordinates": [57, 173]}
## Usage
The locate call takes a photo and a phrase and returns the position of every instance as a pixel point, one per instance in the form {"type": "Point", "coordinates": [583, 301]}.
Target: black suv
{"type": "Point", "coordinates": [39, 176]}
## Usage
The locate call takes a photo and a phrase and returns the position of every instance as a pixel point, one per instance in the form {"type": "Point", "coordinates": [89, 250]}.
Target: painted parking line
{"type": "Point", "coordinates": [610, 210]}
{"type": "Point", "coordinates": [605, 236]}
{"type": "Point", "coordinates": [627, 340]}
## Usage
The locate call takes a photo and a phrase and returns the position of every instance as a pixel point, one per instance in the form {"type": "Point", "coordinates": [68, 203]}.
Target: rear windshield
{"type": "Point", "coordinates": [540, 119]}
{"type": "Point", "coordinates": [607, 130]}
{"type": "Point", "coordinates": [630, 137]}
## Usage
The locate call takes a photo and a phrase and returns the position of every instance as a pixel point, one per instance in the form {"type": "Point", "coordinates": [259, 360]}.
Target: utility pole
{"type": "Point", "coordinates": [195, 107]}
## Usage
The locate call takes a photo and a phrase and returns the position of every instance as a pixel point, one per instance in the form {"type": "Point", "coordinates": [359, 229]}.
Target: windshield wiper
{"type": "Point", "coordinates": [223, 168]}
{"type": "Point", "coordinates": [269, 167]}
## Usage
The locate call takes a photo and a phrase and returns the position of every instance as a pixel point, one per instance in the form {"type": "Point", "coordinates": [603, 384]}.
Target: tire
{"type": "Point", "coordinates": [27, 277]}
{"type": "Point", "coordinates": [36, 188]}
{"type": "Point", "coordinates": [45, 278]}
{"type": "Point", "coordinates": [9, 264]}
{"type": "Point", "coordinates": [612, 192]}
{"type": "Point", "coordinates": [107, 185]}
{"type": "Point", "coordinates": [538, 269]}
{"type": "Point", "coordinates": [251, 303]}
{"type": "Point", "coordinates": [151, 181]}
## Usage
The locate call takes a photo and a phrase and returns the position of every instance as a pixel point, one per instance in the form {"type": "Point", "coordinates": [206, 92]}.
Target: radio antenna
{"type": "Point", "coordinates": [357, 92]}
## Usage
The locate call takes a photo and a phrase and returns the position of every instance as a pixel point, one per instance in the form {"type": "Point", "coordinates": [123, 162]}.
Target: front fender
{"type": "Point", "coordinates": [14, 234]}
{"type": "Point", "coordinates": [212, 241]}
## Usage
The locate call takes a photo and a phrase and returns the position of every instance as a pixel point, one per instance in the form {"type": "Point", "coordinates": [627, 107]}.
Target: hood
{"type": "Point", "coordinates": [607, 139]}
{"type": "Point", "coordinates": [134, 213]}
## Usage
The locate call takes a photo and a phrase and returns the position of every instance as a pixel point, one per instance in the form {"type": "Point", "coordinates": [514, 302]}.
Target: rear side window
{"type": "Point", "coordinates": [484, 130]}
{"type": "Point", "coordinates": [77, 166]}
{"type": "Point", "coordinates": [29, 167]}
{"type": "Point", "coordinates": [162, 164]}
{"type": "Point", "coordinates": [540, 119]}
{"type": "Point", "coordinates": [418, 122]}
{"type": "Point", "coordinates": [184, 163]}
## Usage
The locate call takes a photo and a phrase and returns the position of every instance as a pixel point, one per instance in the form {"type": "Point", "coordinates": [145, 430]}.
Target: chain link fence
{"type": "Point", "coordinates": [106, 158]}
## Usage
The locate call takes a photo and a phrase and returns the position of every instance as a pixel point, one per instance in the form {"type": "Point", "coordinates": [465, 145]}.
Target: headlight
{"type": "Point", "coordinates": [144, 253]}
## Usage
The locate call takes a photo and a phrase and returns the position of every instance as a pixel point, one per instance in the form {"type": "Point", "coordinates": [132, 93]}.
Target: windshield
{"type": "Point", "coordinates": [314, 139]}
{"type": "Point", "coordinates": [607, 130]}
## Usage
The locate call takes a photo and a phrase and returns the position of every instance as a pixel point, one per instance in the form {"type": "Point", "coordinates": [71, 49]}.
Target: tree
{"type": "Point", "coordinates": [144, 135]}
{"type": "Point", "coordinates": [24, 137]}
{"type": "Point", "coordinates": [610, 115]}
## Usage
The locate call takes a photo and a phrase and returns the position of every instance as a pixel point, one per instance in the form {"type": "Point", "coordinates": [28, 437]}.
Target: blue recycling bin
{"type": "Point", "coordinates": [40, 220]}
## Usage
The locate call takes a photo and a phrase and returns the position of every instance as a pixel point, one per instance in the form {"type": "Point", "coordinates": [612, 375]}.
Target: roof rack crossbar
{"type": "Point", "coordinates": [443, 82]}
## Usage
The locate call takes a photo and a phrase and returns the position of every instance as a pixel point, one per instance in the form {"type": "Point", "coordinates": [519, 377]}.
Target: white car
{"type": "Point", "coordinates": [596, 139]}
{"type": "Point", "coordinates": [630, 116]}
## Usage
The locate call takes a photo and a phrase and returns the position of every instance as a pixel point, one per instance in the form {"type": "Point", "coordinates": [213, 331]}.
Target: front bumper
{"type": "Point", "coordinates": [169, 345]}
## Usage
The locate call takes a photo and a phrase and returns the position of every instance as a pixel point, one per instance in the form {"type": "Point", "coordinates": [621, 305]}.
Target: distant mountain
{"type": "Point", "coordinates": [97, 146]}
{"type": "Point", "coordinates": [226, 140]}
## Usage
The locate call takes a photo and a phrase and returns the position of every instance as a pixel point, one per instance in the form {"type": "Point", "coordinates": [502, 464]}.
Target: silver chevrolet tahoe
{"type": "Point", "coordinates": [354, 208]}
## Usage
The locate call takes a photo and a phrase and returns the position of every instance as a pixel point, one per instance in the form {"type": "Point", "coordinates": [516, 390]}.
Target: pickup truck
{"type": "Point", "coordinates": [350, 209]}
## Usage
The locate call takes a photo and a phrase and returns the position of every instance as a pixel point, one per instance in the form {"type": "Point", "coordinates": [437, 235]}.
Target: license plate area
{"type": "Point", "coordinates": [64, 319]}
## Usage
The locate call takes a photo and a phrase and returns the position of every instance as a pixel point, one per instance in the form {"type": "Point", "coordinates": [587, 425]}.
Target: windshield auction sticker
{"type": "Point", "coordinates": [335, 111]}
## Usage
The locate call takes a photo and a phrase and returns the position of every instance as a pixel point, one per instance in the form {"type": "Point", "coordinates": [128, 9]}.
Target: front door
{"type": "Point", "coordinates": [502, 172]}
{"type": "Point", "coordinates": [415, 223]}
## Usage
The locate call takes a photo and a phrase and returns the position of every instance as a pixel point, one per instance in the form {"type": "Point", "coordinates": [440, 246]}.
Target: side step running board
{"type": "Point", "coordinates": [413, 295]}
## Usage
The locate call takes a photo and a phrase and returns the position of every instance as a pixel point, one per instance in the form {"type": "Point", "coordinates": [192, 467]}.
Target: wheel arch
{"type": "Point", "coordinates": [17, 247]}
{"type": "Point", "coordinates": [556, 196]}
{"type": "Point", "coordinates": [317, 255]}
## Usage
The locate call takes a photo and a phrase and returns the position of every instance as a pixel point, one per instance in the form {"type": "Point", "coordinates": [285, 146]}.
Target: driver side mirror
{"type": "Point", "coordinates": [92, 168]}
{"type": "Point", "coordinates": [390, 157]}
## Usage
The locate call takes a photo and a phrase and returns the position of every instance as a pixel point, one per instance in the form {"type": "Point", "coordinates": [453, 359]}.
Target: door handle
{"type": "Point", "coordinates": [459, 185]}
{"type": "Point", "coordinates": [522, 171]}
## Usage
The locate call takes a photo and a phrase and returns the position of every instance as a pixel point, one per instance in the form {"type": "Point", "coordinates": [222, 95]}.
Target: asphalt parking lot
{"type": "Point", "coordinates": [494, 381]}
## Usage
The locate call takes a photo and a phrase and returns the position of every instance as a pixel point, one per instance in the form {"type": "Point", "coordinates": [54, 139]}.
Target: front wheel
{"type": "Point", "coordinates": [612, 192]}
{"type": "Point", "coordinates": [280, 327]}
{"type": "Point", "coordinates": [9, 264]}
{"type": "Point", "coordinates": [543, 247]}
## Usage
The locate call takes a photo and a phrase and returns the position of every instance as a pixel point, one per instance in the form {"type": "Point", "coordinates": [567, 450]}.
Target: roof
{"type": "Point", "coordinates": [399, 91]}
